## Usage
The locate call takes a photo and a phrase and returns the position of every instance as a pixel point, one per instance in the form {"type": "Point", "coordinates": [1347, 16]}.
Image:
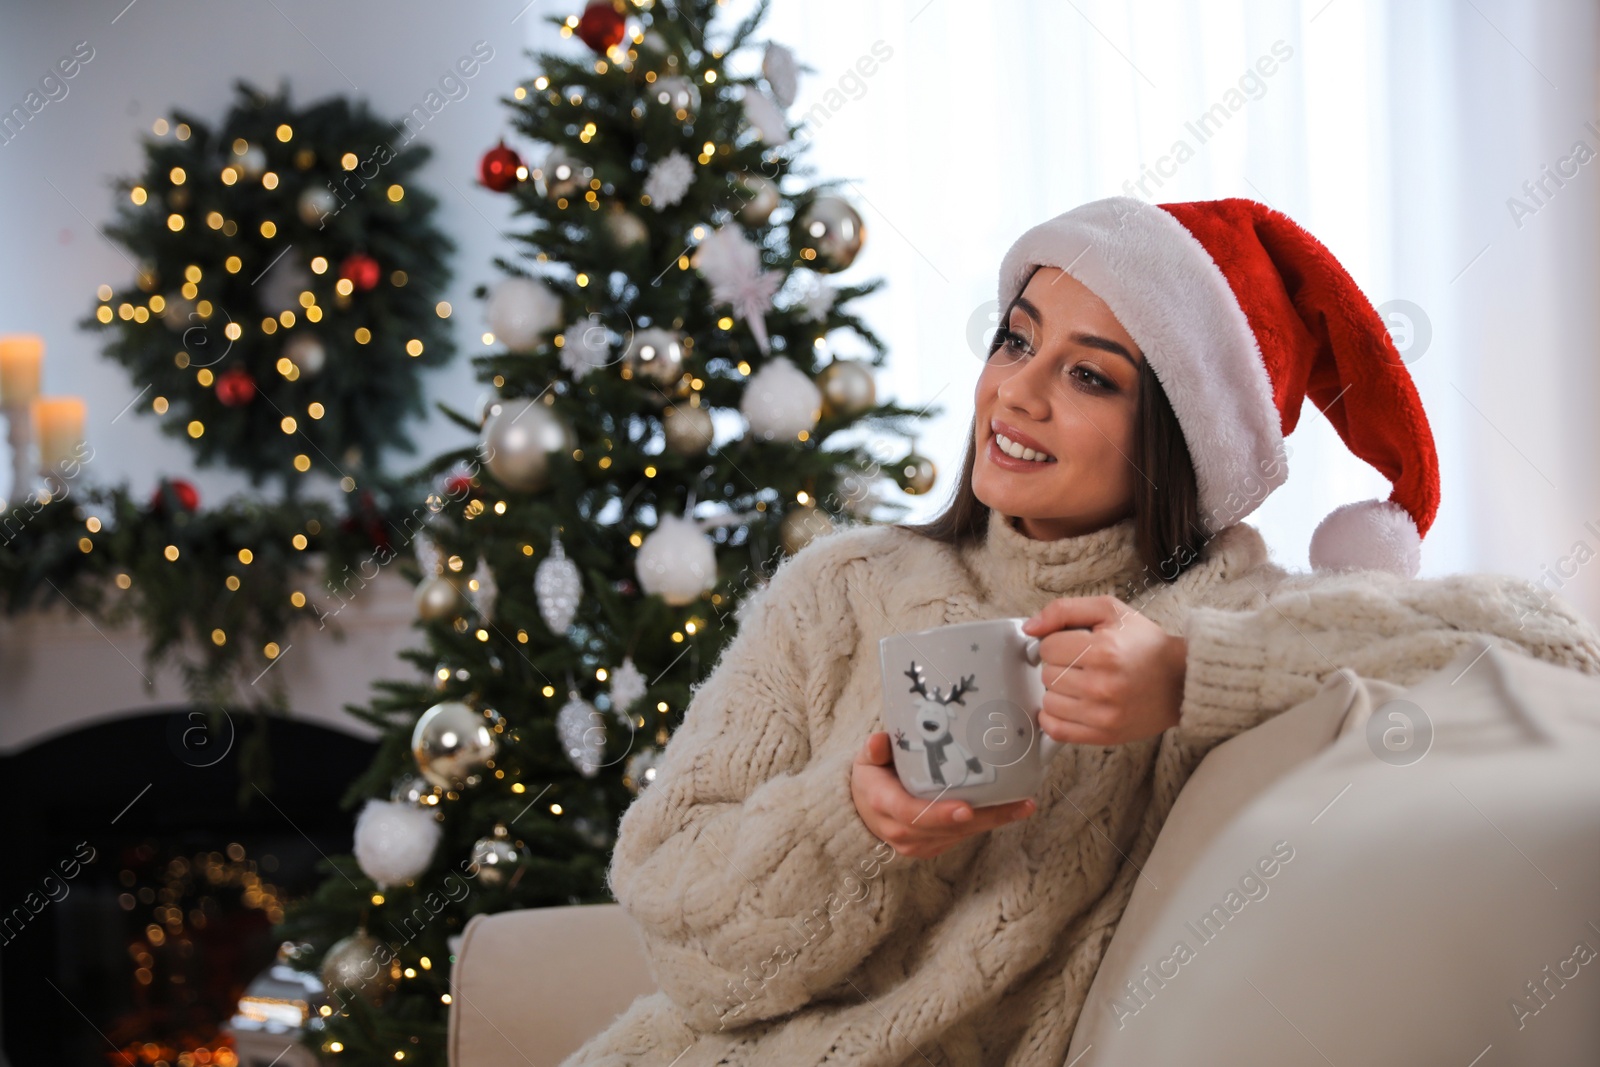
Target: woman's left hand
{"type": "Point", "coordinates": [1111, 675]}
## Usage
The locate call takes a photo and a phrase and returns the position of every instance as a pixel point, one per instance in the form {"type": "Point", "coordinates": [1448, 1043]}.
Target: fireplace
{"type": "Point", "coordinates": [145, 863]}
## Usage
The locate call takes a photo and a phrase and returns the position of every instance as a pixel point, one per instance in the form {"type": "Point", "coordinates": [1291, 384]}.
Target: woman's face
{"type": "Point", "coordinates": [1064, 381]}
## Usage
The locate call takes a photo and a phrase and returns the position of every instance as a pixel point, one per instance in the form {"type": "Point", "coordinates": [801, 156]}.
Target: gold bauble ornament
{"type": "Point", "coordinates": [495, 857]}
{"type": "Point", "coordinates": [440, 598]}
{"type": "Point", "coordinates": [688, 428]}
{"type": "Point", "coordinates": [363, 965]}
{"type": "Point", "coordinates": [562, 175]}
{"type": "Point", "coordinates": [827, 236]}
{"type": "Point", "coordinates": [801, 524]}
{"type": "Point", "coordinates": [411, 789]}
{"type": "Point", "coordinates": [519, 441]}
{"type": "Point", "coordinates": [916, 474]}
{"type": "Point", "coordinates": [655, 354]}
{"type": "Point", "coordinates": [847, 388]}
{"type": "Point", "coordinates": [453, 743]}
{"type": "Point", "coordinates": [760, 196]}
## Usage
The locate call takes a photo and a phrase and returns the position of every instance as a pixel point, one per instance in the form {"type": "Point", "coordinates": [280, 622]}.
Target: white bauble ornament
{"type": "Point", "coordinates": [627, 687]}
{"type": "Point", "coordinates": [688, 429]}
{"type": "Point", "coordinates": [305, 351]}
{"type": "Point", "coordinates": [669, 180]}
{"type": "Point", "coordinates": [677, 561]}
{"type": "Point", "coordinates": [394, 841]}
{"type": "Point", "coordinates": [778, 66]}
{"type": "Point", "coordinates": [453, 743]}
{"type": "Point", "coordinates": [558, 587]}
{"type": "Point", "coordinates": [519, 441]}
{"type": "Point", "coordinates": [656, 354]}
{"type": "Point", "coordinates": [315, 204]}
{"type": "Point", "coordinates": [780, 401]}
{"type": "Point", "coordinates": [765, 117]}
{"type": "Point", "coordinates": [582, 732]}
{"type": "Point", "coordinates": [521, 311]}
{"type": "Point", "coordinates": [280, 290]}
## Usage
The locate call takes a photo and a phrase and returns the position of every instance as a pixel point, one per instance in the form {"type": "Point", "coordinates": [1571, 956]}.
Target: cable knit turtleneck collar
{"type": "Point", "coordinates": [1022, 574]}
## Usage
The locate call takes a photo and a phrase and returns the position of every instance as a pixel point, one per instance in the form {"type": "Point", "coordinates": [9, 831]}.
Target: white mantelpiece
{"type": "Point", "coordinates": [61, 671]}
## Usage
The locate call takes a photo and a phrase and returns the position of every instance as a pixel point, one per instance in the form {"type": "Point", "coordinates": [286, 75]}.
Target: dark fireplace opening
{"type": "Point", "coordinates": [138, 893]}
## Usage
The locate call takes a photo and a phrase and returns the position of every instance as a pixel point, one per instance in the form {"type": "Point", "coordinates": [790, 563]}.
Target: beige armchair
{"type": "Point", "coordinates": [1327, 966]}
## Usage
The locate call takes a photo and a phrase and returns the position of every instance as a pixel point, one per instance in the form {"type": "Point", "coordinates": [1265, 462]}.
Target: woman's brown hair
{"type": "Point", "coordinates": [1166, 500]}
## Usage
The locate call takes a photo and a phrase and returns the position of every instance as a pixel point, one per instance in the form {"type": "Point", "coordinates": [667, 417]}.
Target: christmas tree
{"type": "Point", "coordinates": [667, 420]}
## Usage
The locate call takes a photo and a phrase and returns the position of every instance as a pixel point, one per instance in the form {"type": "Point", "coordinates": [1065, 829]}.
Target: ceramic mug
{"type": "Point", "coordinates": [961, 705]}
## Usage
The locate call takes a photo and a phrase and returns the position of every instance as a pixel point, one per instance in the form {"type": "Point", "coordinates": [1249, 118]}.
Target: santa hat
{"type": "Point", "coordinates": [1242, 314]}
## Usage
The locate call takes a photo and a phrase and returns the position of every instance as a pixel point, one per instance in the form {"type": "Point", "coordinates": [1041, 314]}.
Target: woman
{"type": "Point", "coordinates": [797, 904]}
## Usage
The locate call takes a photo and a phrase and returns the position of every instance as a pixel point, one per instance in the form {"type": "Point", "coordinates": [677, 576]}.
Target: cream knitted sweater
{"type": "Point", "coordinates": [782, 932]}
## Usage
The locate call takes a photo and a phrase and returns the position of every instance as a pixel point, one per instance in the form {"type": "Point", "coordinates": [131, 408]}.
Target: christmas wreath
{"type": "Point", "coordinates": [288, 286]}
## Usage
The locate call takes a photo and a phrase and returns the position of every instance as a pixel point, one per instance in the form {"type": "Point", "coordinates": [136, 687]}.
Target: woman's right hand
{"type": "Point", "coordinates": [916, 827]}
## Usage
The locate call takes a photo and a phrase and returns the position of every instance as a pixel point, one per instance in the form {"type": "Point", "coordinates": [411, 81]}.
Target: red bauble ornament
{"type": "Point", "coordinates": [187, 495]}
{"type": "Point", "coordinates": [361, 270]}
{"type": "Point", "coordinates": [366, 518]}
{"type": "Point", "coordinates": [235, 387]}
{"type": "Point", "coordinates": [601, 26]}
{"type": "Point", "coordinates": [497, 169]}
{"type": "Point", "coordinates": [458, 485]}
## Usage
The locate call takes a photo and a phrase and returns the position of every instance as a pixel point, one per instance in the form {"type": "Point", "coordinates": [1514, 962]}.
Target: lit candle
{"type": "Point", "coordinates": [59, 421]}
{"type": "Point", "coordinates": [20, 355]}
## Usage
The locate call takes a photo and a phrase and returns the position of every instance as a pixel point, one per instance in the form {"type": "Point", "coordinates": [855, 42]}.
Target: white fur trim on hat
{"type": "Point", "coordinates": [1176, 304]}
{"type": "Point", "coordinates": [1368, 535]}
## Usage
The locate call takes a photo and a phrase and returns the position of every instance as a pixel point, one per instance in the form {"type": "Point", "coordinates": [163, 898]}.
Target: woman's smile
{"type": "Point", "coordinates": [1011, 449]}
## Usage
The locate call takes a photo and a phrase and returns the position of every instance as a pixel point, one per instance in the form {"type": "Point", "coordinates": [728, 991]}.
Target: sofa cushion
{"type": "Point", "coordinates": [531, 986]}
{"type": "Point", "coordinates": [1421, 907]}
{"type": "Point", "coordinates": [1230, 777]}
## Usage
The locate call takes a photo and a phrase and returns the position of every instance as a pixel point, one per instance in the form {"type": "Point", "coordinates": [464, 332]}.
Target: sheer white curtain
{"type": "Point", "coordinates": [1394, 132]}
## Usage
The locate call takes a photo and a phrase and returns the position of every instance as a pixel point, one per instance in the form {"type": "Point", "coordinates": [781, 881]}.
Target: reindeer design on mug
{"type": "Point", "coordinates": [934, 718]}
